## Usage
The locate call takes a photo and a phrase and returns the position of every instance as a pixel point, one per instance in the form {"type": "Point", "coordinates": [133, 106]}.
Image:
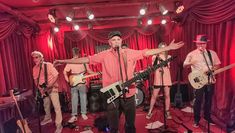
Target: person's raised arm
{"type": "Point", "coordinates": [82, 60]}
{"type": "Point", "coordinates": [172, 46]}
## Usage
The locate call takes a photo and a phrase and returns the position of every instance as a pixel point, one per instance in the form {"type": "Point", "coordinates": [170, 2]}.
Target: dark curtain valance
{"type": "Point", "coordinates": [101, 35]}
{"type": "Point", "coordinates": [10, 24]}
{"type": "Point", "coordinates": [208, 11]}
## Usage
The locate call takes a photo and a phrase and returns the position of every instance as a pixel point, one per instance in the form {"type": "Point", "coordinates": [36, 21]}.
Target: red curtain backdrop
{"type": "Point", "coordinates": [216, 18]}
{"type": "Point", "coordinates": [16, 40]}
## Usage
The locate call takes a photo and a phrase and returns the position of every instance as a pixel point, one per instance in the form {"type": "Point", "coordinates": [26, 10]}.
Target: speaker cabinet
{"type": "Point", "coordinates": [96, 102]}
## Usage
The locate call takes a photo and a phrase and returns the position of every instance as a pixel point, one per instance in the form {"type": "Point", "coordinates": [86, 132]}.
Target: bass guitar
{"type": "Point", "coordinates": [198, 79]}
{"type": "Point", "coordinates": [75, 80]}
{"type": "Point", "coordinates": [115, 90]}
{"type": "Point", "coordinates": [22, 123]}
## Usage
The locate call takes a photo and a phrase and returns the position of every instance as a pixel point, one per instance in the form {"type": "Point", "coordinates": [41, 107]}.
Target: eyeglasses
{"type": "Point", "coordinates": [36, 57]}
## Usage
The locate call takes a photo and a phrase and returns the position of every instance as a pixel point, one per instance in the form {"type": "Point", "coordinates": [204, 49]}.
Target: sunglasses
{"type": "Point", "coordinates": [36, 57]}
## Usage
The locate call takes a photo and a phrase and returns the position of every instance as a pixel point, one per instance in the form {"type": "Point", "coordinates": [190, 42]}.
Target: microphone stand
{"type": "Point", "coordinates": [210, 74]}
{"type": "Point", "coordinates": [164, 99]}
{"type": "Point", "coordinates": [120, 68]}
{"type": "Point", "coordinates": [38, 99]}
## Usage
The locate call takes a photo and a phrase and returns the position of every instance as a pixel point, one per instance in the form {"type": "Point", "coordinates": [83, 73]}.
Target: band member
{"type": "Point", "coordinates": [162, 78]}
{"type": "Point", "coordinates": [45, 78]}
{"type": "Point", "coordinates": [111, 73]}
{"type": "Point", "coordinates": [77, 69]}
{"type": "Point", "coordinates": [203, 60]}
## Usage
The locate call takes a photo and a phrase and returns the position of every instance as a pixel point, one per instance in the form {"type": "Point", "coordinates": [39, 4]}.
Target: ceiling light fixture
{"type": "Point", "coordinates": [162, 9]}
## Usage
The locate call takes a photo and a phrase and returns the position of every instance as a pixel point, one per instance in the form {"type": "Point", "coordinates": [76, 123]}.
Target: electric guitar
{"type": "Point", "coordinates": [43, 91]}
{"type": "Point", "coordinates": [75, 80]}
{"type": "Point", "coordinates": [22, 123]}
{"type": "Point", "coordinates": [198, 79]}
{"type": "Point", "coordinates": [115, 90]}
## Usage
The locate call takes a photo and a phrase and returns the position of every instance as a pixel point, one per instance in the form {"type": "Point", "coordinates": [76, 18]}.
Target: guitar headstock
{"type": "Point", "coordinates": [12, 94]}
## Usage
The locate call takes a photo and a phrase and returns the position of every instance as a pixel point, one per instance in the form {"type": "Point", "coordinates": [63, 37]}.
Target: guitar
{"type": "Point", "coordinates": [178, 102]}
{"type": "Point", "coordinates": [75, 80]}
{"type": "Point", "coordinates": [22, 123]}
{"type": "Point", "coordinates": [115, 90]}
{"type": "Point", "coordinates": [198, 79]}
{"type": "Point", "coordinates": [43, 91]}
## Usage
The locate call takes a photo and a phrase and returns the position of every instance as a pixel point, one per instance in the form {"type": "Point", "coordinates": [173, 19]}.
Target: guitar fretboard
{"type": "Point", "coordinates": [147, 72]}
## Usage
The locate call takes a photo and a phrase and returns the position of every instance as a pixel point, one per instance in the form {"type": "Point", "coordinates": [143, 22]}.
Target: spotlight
{"type": "Point", "coordinates": [179, 9]}
{"type": "Point", "coordinates": [149, 22]}
{"type": "Point", "coordinates": [163, 21]}
{"type": "Point", "coordinates": [52, 15]}
{"type": "Point", "coordinates": [90, 15]}
{"type": "Point", "coordinates": [56, 29]}
{"type": "Point", "coordinates": [142, 11]}
{"type": "Point", "coordinates": [69, 19]}
{"type": "Point", "coordinates": [76, 27]}
{"type": "Point", "coordinates": [139, 22]}
{"type": "Point", "coordinates": [162, 9]}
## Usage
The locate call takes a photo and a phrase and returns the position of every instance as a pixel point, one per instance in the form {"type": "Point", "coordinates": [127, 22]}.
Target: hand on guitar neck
{"type": "Point", "coordinates": [22, 123]}
{"type": "Point", "coordinates": [43, 90]}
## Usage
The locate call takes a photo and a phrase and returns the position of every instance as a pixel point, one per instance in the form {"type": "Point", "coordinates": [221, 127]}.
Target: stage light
{"type": "Point", "coordinates": [76, 27]}
{"type": "Point", "coordinates": [142, 11]}
{"type": "Point", "coordinates": [69, 19]}
{"type": "Point", "coordinates": [56, 29]}
{"type": "Point", "coordinates": [180, 9]}
{"type": "Point", "coordinates": [139, 22]}
{"type": "Point", "coordinates": [149, 22]}
{"type": "Point", "coordinates": [163, 21]}
{"type": "Point", "coordinates": [162, 9]}
{"type": "Point", "coordinates": [90, 15]}
{"type": "Point", "coordinates": [52, 15]}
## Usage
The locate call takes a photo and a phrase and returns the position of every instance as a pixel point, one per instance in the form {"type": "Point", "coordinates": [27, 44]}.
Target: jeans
{"type": "Point", "coordinates": [83, 99]}
{"type": "Point", "coordinates": [208, 90]}
{"type": "Point", "coordinates": [126, 106]}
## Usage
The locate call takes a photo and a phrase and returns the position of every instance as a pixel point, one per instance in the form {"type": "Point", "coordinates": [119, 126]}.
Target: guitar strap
{"type": "Point", "coordinates": [125, 65]}
{"type": "Point", "coordinates": [209, 54]}
{"type": "Point", "coordinates": [210, 57]}
{"type": "Point", "coordinates": [85, 68]}
{"type": "Point", "coordinates": [45, 73]}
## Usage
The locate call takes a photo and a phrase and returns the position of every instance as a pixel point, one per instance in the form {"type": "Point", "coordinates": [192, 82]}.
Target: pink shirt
{"type": "Point", "coordinates": [200, 64]}
{"type": "Point", "coordinates": [110, 65]}
{"type": "Point", "coordinates": [51, 73]}
{"type": "Point", "coordinates": [75, 68]}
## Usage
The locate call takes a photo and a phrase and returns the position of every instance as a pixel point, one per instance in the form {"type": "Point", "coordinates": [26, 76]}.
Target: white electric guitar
{"type": "Point", "coordinates": [115, 90]}
{"type": "Point", "coordinates": [75, 80]}
{"type": "Point", "coordinates": [198, 79]}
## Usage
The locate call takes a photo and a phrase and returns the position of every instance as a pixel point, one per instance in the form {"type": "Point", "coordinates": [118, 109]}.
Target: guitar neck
{"type": "Point", "coordinates": [147, 72]}
{"type": "Point", "coordinates": [224, 69]}
{"type": "Point", "coordinates": [91, 75]}
{"type": "Point", "coordinates": [17, 106]}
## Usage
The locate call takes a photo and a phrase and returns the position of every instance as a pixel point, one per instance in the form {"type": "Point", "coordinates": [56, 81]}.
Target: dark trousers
{"type": "Point", "coordinates": [208, 91]}
{"type": "Point", "coordinates": [126, 106]}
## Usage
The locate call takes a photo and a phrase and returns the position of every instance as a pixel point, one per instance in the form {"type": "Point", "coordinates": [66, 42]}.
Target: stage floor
{"type": "Point", "coordinates": [181, 120]}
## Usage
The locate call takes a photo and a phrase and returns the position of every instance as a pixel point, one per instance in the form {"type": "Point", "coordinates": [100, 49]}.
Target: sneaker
{"type": "Point", "coordinates": [168, 115]}
{"type": "Point", "coordinates": [46, 121]}
{"type": "Point", "coordinates": [59, 129]}
{"type": "Point", "coordinates": [149, 115]}
{"type": "Point", "coordinates": [72, 119]}
{"type": "Point", "coordinates": [196, 125]}
{"type": "Point", "coordinates": [84, 117]}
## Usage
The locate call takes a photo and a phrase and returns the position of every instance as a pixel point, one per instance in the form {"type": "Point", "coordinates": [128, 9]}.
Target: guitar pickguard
{"type": "Point", "coordinates": [112, 91]}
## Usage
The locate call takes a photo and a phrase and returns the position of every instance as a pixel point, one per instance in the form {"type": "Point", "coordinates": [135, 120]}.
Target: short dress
{"type": "Point", "coordinates": [166, 72]}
